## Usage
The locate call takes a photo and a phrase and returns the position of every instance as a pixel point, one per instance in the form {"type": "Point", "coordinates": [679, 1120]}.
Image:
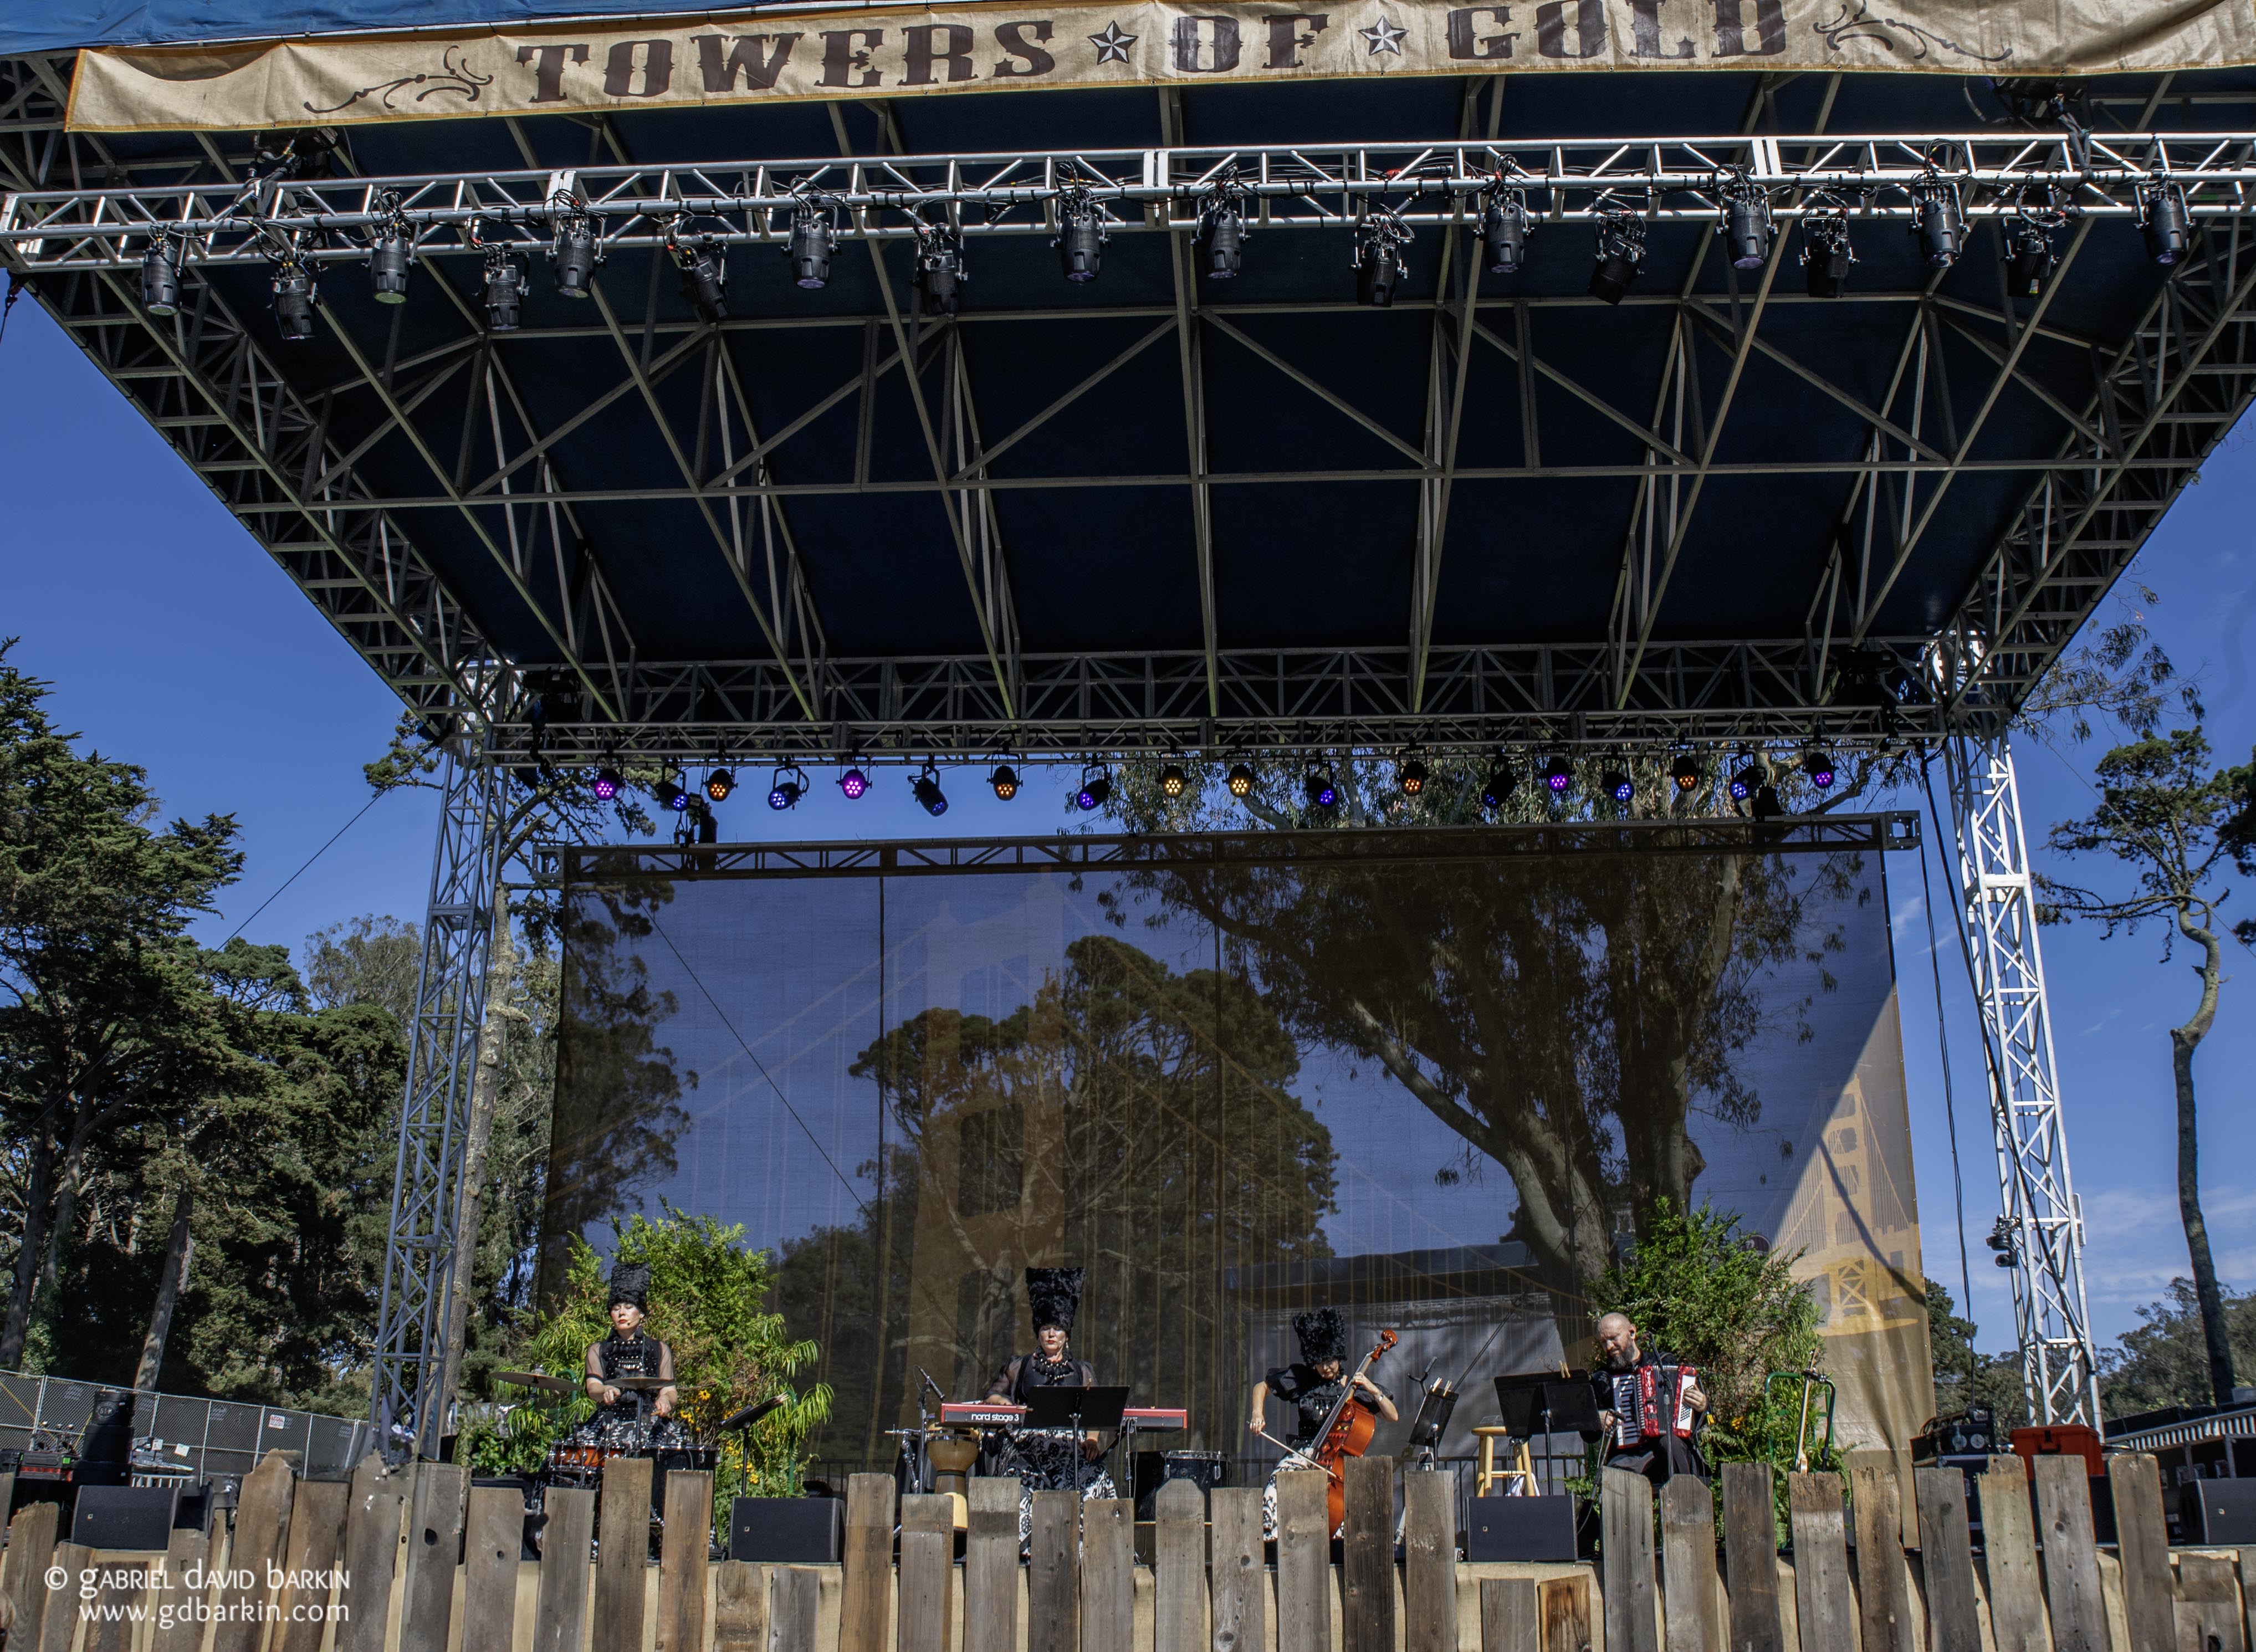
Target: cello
{"type": "Point", "coordinates": [1347, 1432]}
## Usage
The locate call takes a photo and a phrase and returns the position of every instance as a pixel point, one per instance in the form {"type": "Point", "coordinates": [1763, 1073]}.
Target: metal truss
{"type": "Point", "coordinates": [2042, 1223]}
{"type": "Point", "coordinates": [411, 1385]}
{"type": "Point", "coordinates": [1313, 185]}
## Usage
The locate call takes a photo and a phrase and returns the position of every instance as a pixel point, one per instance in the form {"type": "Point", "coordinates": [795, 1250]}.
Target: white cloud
{"type": "Point", "coordinates": [2134, 1242]}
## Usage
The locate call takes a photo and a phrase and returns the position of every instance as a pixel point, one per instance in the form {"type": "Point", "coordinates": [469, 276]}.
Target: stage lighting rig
{"type": "Point", "coordinates": [813, 235]}
{"type": "Point", "coordinates": [719, 784]}
{"type": "Point", "coordinates": [1222, 230]}
{"type": "Point", "coordinates": [1172, 780]}
{"type": "Point", "coordinates": [2164, 222]}
{"type": "Point", "coordinates": [390, 253]}
{"type": "Point", "coordinates": [1749, 778]}
{"type": "Point", "coordinates": [296, 292]}
{"type": "Point", "coordinates": [940, 271]}
{"type": "Point", "coordinates": [853, 783]}
{"type": "Point", "coordinates": [1500, 786]}
{"type": "Point", "coordinates": [2029, 258]}
{"type": "Point", "coordinates": [1240, 780]}
{"type": "Point", "coordinates": [1005, 780]}
{"type": "Point", "coordinates": [1319, 787]}
{"type": "Point", "coordinates": [607, 784]}
{"type": "Point", "coordinates": [670, 795]}
{"type": "Point", "coordinates": [1746, 224]}
{"type": "Point", "coordinates": [1558, 776]}
{"type": "Point", "coordinates": [160, 277]}
{"type": "Point", "coordinates": [1380, 265]}
{"type": "Point", "coordinates": [1826, 254]}
{"type": "Point", "coordinates": [577, 251]}
{"type": "Point", "coordinates": [787, 787]}
{"type": "Point", "coordinates": [1817, 764]}
{"type": "Point", "coordinates": [1096, 788]}
{"type": "Point", "coordinates": [1938, 220]}
{"type": "Point", "coordinates": [1080, 235]}
{"type": "Point", "coordinates": [704, 277]}
{"type": "Point", "coordinates": [504, 291]}
{"type": "Point", "coordinates": [1685, 772]}
{"type": "Point", "coordinates": [1620, 252]}
{"type": "Point", "coordinates": [926, 790]}
{"type": "Point", "coordinates": [1617, 784]}
{"type": "Point", "coordinates": [1504, 226]}
{"type": "Point", "coordinates": [1411, 777]}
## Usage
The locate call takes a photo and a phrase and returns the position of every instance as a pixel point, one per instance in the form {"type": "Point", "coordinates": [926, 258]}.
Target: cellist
{"type": "Point", "coordinates": [1311, 1388]}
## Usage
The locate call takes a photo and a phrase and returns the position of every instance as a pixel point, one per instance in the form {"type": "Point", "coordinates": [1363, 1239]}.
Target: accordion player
{"type": "Point", "coordinates": [1651, 1405]}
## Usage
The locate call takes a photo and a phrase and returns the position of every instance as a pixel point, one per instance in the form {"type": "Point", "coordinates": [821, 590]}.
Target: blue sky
{"type": "Point", "coordinates": [175, 642]}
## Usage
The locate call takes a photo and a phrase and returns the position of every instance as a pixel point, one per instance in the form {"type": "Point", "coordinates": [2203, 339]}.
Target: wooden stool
{"type": "Point", "coordinates": [1488, 1473]}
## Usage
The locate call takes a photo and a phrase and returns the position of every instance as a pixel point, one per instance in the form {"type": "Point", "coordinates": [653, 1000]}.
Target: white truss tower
{"type": "Point", "coordinates": [2042, 1218]}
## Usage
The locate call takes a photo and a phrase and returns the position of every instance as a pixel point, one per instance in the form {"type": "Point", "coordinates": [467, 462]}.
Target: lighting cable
{"type": "Point", "coordinates": [1949, 1102]}
{"type": "Point", "coordinates": [310, 860]}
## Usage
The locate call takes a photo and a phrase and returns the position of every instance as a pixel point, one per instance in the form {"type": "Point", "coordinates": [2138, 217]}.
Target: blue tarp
{"type": "Point", "coordinates": [57, 26]}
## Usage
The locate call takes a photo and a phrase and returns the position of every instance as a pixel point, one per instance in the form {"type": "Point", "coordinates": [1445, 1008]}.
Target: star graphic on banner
{"type": "Point", "coordinates": [1113, 45]}
{"type": "Point", "coordinates": [1384, 36]}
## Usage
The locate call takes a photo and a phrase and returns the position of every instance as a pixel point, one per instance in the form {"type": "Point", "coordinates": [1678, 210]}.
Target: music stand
{"type": "Point", "coordinates": [1544, 1402]}
{"type": "Point", "coordinates": [1080, 1409]}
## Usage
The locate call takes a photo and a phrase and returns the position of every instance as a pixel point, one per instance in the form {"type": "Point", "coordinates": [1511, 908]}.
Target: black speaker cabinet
{"type": "Point", "coordinates": [2218, 1514]}
{"type": "Point", "coordinates": [1521, 1528]}
{"type": "Point", "coordinates": [124, 1516]}
{"type": "Point", "coordinates": [788, 1530]}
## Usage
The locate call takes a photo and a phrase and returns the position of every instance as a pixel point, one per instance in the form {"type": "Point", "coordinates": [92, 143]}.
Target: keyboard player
{"type": "Point", "coordinates": [1050, 1459]}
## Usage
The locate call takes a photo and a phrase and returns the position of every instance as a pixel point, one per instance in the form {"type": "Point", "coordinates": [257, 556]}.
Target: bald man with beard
{"type": "Point", "coordinates": [1620, 1355]}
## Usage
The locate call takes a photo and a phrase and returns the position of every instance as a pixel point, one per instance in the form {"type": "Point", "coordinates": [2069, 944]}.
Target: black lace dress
{"type": "Point", "coordinates": [1047, 1459]}
{"type": "Point", "coordinates": [631, 1414]}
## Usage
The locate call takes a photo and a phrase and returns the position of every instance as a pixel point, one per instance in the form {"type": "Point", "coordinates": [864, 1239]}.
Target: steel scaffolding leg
{"type": "Point", "coordinates": [2043, 1224]}
{"type": "Point", "coordinates": [410, 1388]}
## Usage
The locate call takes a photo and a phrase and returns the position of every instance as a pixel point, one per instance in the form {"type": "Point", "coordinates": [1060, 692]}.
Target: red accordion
{"type": "Point", "coordinates": [1649, 1402]}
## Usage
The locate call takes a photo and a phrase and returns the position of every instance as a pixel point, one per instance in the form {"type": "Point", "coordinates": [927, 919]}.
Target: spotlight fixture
{"type": "Point", "coordinates": [1746, 225]}
{"type": "Point", "coordinates": [1080, 235]}
{"type": "Point", "coordinates": [1621, 249]}
{"type": "Point", "coordinates": [719, 784]}
{"type": "Point", "coordinates": [1095, 786]}
{"type": "Point", "coordinates": [926, 788]}
{"type": "Point", "coordinates": [607, 783]}
{"type": "Point", "coordinates": [704, 280]}
{"type": "Point", "coordinates": [295, 293]}
{"type": "Point", "coordinates": [2164, 222]}
{"type": "Point", "coordinates": [1500, 786]}
{"type": "Point", "coordinates": [1171, 782]}
{"type": "Point", "coordinates": [1750, 777]}
{"type": "Point", "coordinates": [1685, 772]}
{"type": "Point", "coordinates": [504, 291]}
{"type": "Point", "coordinates": [1240, 780]}
{"type": "Point", "coordinates": [786, 788]}
{"type": "Point", "coordinates": [1617, 784]}
{"type": "Point", "coordinates": [1504, 230]}
{"type": "Point", "coordinates": [2028, 258]}
{"type": "Point", "coordinates": [160, 278]}
{"type": "Point", "coordinates": [391, 261]}
{"type": "Point", "coordinates": [1004, 780]}
{"type": "Point", "coordinates": [1940, 225]}
{"type": "Point", "coordinates": [940, 272]}
{"type": "Point", "coordinates": [1826, 254]}
{"type": "Point", "coordinates": [1817, 764]}
{"type": "Point", "coordinates": [853, 782]}
{"type": "Point", "coordinates": [670, 795]}
{"type": "Point", "coordinates": [1380, 267]}
{"type": "Point", "coordinates": [574, 254]}
{"type": "Point", "coordinates": [1559, 775]}
{"type": "Point", "coordinates": [1320, 788]}
{"type": "Point", "coordinates": [1411, 777]}
{"type": "Point", "coordinates": [811, 240]}
{"type": "Point", "coordinates": [1224, 238]}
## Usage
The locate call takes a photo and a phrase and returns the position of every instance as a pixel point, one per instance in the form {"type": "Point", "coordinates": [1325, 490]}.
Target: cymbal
{"type": "Point", "coordinates": [534, 1380]}
{"type": "Point", "coordinates": [649, 1385]}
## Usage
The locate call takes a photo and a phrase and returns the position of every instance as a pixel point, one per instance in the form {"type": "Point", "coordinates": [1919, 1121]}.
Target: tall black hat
{"type": "Point", "coordinates": [629, 1283]}
{"type": "Point", "coordinates": [1322, 1334]}
{"type": "Point", "coordinates": [1054, 1294]}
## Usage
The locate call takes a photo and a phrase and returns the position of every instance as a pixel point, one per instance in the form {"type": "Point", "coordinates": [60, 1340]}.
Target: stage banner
{"type": "Point", "coordinates": [778, 54]}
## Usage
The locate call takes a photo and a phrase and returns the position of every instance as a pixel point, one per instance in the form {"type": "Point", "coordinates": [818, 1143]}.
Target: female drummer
{"type": "Point", "coordinates": [627, 1353]}
{"type": "Point", "coordinates": [1050, 1459]}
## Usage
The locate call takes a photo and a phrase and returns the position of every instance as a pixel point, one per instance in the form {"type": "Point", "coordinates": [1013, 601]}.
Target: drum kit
{"type": "Point", "coordinates": [578, 1458]}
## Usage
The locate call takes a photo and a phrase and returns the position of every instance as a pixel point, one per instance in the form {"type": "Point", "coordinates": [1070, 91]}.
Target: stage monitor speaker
{"type": "Point", "coordinates": [2218, 1514]}
{"type": "Point", "coordinates": [1521, 1529]}
{"type": "Point", "coordinates": [793, 1531]}
{"type": "Point", "coordinates": [124, 1516]}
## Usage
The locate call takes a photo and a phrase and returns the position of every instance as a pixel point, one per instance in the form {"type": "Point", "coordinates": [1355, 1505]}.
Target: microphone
{"type": "Point", "coordinates": [750, 1414]}
{"type": "Point", "coordinates": [929, 1383]}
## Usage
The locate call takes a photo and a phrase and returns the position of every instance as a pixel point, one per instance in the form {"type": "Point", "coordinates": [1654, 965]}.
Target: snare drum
{"type": "Point", "coordinates": [1203, 1469]}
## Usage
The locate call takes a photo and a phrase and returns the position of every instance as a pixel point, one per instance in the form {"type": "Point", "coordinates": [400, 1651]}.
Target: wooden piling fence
{"type": "Point", "coordinates": [415, 1561]}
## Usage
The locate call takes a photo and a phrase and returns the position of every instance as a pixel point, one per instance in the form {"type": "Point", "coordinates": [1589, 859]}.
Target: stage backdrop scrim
{"type": "Point", "coordinates": [1430, 1078]}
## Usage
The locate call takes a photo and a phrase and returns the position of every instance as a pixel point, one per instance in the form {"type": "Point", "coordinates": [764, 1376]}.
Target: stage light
{"type": "Point", "coordinates": [926, 788]}
{"type": "Point", "coordinates": [940, 272]}
{"type": "Point", "coordinates": [1500, 786]}
{"type": "Point", "coordinates": [1558, 776]}
{"type": "Point", "coordinates": [295, 292]}
{"type": "Point", "coordinates": [504, 291]}
{"type": "Point", "coordinates": [1685, 772]}
{"type": "Point", "coordinates": [574, 255]}
{"type": "Point", "coordinates": [670, 795]}
{"type": "Point", "coordinates": [390, 262]}
{"type": "Point", "coordinates": [1504, 231]}
{"type": "Point", "coordinates": [1621, 249]}
{"type": "Point", "coordinates": [853, 782]}
{"type": "Point", "coordinates": [1172, 780]}
{"type": "Point", "coordinates": [1618, 785]}
{"type": "Point", "coordinates": [1750, 777]}
{"type": "Point", "coordinates": [704, 282]}
{"type": "Point", "coordinates": [160, 278]}
{"type": "Point", "coordinates": [2028, 260]}
{"type": "Point", "coordinates": [1826, 254]}
{"type": "Point", "coordinates": [1411, 777]}
{"type": "Point", "coordinates": [1240, 780]}
{"type": "Point", "coordinates": [1226, 241]}
{"type": "Point", "coordinates": [784, 790]}
{"type": "Point", "coordinates": [1817, 764]}
{"type": "Point", "coordinates": [1004, 780]}
{"type": "Point", "coordinates": [607, 784]}
{"type": "Point", "coordinates": [1096, 788]}
{"type": "Point", "coordinates": [1746, 228]}
{"type": "Point", "coordinates": [2167, 224]}
{"type": "Point", "coordinates": [719, 784]}
{"type": "Point", "coordinates": [1319, 788]}
{"type": "Point", "coordinates": [1766, 804]}
{"type": "Point", "coordinates": [1942, 227]}
{"type": "Point", "coordinates": [809, 252]}
{"type": "Point", "coordinates": [1080, 236]}
{"type": "Point", "coordinates": [1378, 265]}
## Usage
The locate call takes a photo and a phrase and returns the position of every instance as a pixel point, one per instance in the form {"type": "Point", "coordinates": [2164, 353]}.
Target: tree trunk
{"type": "Point", "coordinates": [2183, 1041]}
{"type": "Point", "coordinates": [179, 1250]}
{"type": "Point", "coordinates": [33, 1253]}
{"type": "Point", "coordinates": [469, 1209]}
